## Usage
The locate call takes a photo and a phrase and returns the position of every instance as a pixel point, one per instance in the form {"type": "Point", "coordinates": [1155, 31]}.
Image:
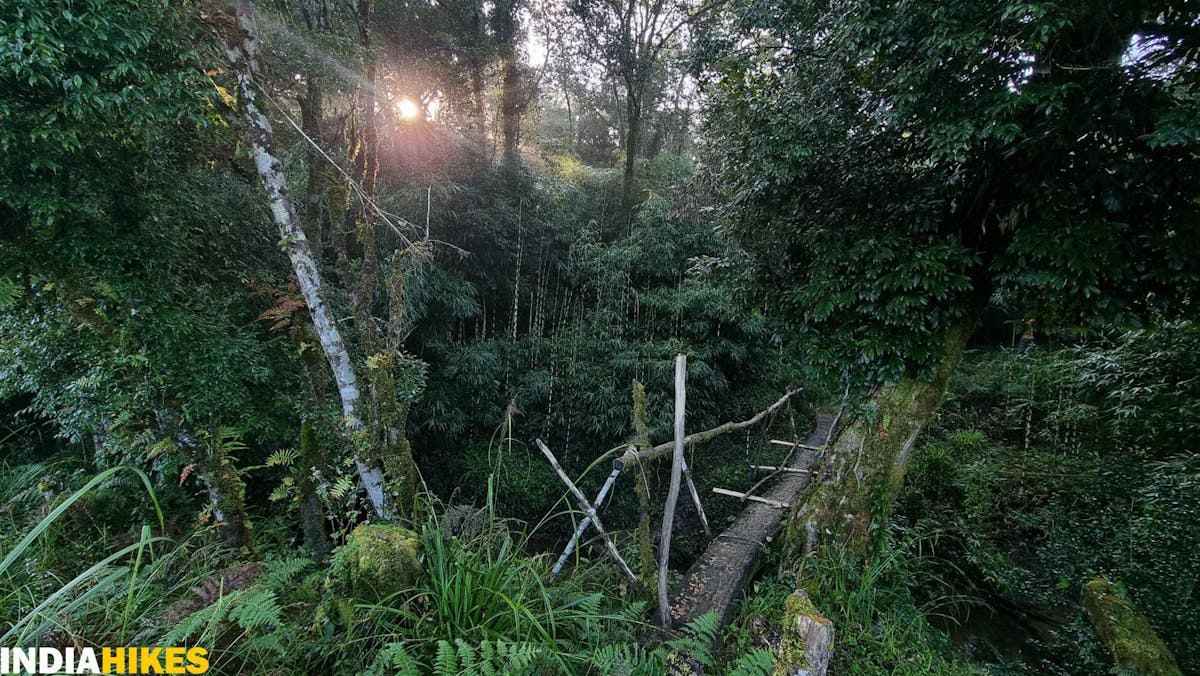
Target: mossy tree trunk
{"type": "Point", "coordinates": [647, 568]}
{"type": "Point", "coordinates": [863, 469]}
{"type": "Point", "coordinates": [239, 31]}
{"type": "Point", "coordinates": [312, 513]}
{"type": "Point", "coordinates": [1127, 634]}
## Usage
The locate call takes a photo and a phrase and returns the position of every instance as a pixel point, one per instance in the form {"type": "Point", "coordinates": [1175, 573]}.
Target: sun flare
{"type": "Point", "coordinates": [408, 109]}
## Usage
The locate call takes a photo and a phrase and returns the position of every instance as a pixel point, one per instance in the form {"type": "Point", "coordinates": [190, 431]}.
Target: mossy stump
{"type": "Point", "coordinates": [376, 562]}
{"type": "Point", "coordinates": [1127, 633]}
{"type": "Point", "coordinates": [807, 639]}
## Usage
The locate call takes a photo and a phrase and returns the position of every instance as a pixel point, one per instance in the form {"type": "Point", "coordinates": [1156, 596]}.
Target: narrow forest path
{"type": "Point", "coordinates": [715, 581]}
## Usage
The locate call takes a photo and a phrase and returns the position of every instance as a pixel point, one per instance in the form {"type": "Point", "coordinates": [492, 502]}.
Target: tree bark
{"type": "Point", "coordinates": [511, 97]}
{"type": "Point", "coordinates": [633, 138]}
{"type": "Point", "coordinates": [864, 465]}
{"type": "Point", "coordinates": [311, 118]}
{"type": "Point", "coordinates": [241, 43]}
{"type": "Point", "coordinates": [312, 515]}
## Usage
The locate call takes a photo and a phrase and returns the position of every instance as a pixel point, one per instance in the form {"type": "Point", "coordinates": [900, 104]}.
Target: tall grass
{"type": "Point", "coordinates": [880, 627]}
{"type": "Point", "coordinates": [34, 619]}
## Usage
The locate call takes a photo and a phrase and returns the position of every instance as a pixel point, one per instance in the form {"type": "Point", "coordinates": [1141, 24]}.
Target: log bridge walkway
{"type": "Point", "coordinates": [715, 581]}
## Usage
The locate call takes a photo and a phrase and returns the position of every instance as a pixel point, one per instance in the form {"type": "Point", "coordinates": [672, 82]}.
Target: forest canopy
{"type": "Point", "coordinates": [294, 294]}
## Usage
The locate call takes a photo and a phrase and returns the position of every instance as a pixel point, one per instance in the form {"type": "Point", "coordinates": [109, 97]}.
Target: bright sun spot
{"type": "Point", "coordinates": [408, 109]}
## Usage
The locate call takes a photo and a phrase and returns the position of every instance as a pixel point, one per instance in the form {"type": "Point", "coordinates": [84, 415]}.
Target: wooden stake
{"type": "Point", "coordinates": [664, 606]}
{"type": "Point", "coordinates": [591, 512]}
{"type": "Point", "coordinates": [752, 498]}
{"type": "Point", "coordinates": [687, 475]}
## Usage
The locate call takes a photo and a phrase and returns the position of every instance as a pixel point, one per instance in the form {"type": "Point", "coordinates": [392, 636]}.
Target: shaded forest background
{"type": "Point", "coordinates": [519, 211]}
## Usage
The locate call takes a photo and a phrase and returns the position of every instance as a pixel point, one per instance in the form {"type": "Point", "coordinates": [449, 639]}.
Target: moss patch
{"type": "Point", "coordinates": [793, 651]}
{"type": "Point", "coordinates": [376, 562]}
{"type": "Point", "coordinates": [1127, 633]}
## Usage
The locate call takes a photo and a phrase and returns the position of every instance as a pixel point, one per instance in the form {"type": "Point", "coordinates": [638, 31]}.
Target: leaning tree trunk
{"type": "Point", "coordinates": [240, 36]}
{"type": "Point", "coordinates": [865, 463]}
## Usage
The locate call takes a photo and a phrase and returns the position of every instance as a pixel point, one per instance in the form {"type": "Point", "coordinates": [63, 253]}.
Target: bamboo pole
{"type": "Point", "coordinates": [664, 606]}
{"type": "Point", "coordinates": [752, 498]}
{"type": "Point", "coordinates": [785, 470]}
{"type": "Point", "coordinates": [608, 484]}
{"type": "Point", "coordinates": [591, 512]}
{"type": "Point", "coordinates": [796, 444]}
{"type": "Point", "coordinates": [687, 475]}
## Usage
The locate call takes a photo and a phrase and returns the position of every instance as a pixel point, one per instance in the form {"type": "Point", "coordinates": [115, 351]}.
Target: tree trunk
{"type": "Point", "coordinates": [312, 515]}
{"type": "Point", "coordinates": [226, 492]}
{"type": "Point", "coordinates": [864, 467]}
{"type": "Point", "coordinates": [311, 118]}
{"type": "Point", "coordinates": [241, 46]}
{"type": "Point", "coordinates": [505, 23]}
{"type": "Point", "coordinates": [633, 138]}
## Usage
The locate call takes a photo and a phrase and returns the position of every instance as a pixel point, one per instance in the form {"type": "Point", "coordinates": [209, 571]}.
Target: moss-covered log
{"type": "Point", "coordinates": [1134, 645]}
{"type": "Point", "coordinates": [377, 561]}
{"type": "Point", "coordinates": [864, 466]}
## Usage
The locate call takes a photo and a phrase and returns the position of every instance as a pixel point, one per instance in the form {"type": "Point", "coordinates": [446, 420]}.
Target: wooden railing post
{"type": "Point", "coordinates": [664, 606]}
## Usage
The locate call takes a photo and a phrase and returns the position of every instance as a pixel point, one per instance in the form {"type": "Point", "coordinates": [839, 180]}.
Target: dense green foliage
{"type": "Point", "coordinates": [1066, 464]}
{"type": "Point", "coordinates": [894, 166]}
{"type": "Point", "coordinates": [514, 213]}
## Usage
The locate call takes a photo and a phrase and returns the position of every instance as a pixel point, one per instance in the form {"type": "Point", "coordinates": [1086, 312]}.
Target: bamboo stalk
{"type": "Point", "coordinates": [591, 512]}
{"type": "Point", "coordinates": [687, 475]}
{"type": "Point", "coordinates": [664, 555]}
{"type": "Point", "coordinates": [796, 444]}
{"type": "Point", "coordinates": [608, 484]}
{"type": "Point", "coordinates": [785, 470]}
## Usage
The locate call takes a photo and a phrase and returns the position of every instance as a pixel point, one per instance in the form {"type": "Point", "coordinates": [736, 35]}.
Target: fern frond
{"type": "Point", "coordinates": [446, 663]}
{"type": "Point", "coordinates": [757, 662]}
{"type": "Point", "coordinates": [283, 457]}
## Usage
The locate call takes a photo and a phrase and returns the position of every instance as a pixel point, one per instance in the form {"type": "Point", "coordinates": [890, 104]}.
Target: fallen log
{"type": "Point", "coordinates": [715, 582]}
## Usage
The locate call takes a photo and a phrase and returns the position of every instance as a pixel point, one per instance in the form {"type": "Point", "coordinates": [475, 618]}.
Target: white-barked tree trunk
{"type": "Point", "coordinates": [241, 46]}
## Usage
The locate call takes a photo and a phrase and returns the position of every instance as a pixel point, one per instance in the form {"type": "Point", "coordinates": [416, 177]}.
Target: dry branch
{"type": "Point", "coordinates": [633, 456]}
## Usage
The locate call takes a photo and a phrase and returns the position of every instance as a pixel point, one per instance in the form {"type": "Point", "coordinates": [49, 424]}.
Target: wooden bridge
{"type": "Point", "coordinates": [715, 581]}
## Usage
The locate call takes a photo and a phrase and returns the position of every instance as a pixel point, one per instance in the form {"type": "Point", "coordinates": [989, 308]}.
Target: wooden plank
{"type": "Point", "coordinates": [786, 470]}
{"type": "Point", "coordinates": [807, 447]}
{"type": "Point", "coordinates": [755, 498]}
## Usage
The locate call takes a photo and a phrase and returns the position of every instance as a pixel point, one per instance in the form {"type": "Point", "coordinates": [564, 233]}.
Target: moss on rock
{"type": "Point", "coordinates": [376, 562]}
{"type": "Point", "coordinates": [807, 638]}
{"type": "Point", "coordinates": [1127, 633]}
